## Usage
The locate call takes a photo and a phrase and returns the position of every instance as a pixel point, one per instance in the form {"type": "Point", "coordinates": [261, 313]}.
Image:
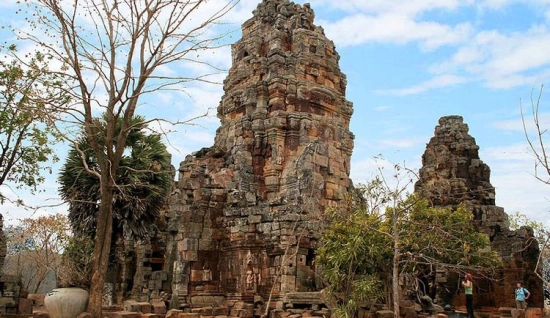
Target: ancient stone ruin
{"type": "Point", "coordinates": [246, 215]}
{"type": "Point", "coordinates": [452, 173]}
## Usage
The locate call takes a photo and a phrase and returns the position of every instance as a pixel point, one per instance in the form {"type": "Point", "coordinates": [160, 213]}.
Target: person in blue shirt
{"type": "Point", "coordinates": [522, 295]}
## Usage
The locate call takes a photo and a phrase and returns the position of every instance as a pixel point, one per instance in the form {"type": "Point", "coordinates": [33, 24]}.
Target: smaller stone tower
{"type": "Point", "coordinates": [452, 173]}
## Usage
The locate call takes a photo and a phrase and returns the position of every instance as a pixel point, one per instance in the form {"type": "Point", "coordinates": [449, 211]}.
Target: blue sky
{"type": "Point", "coordinates": [408, 63]}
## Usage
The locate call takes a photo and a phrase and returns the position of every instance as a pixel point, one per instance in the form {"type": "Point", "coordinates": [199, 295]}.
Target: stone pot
{"type": "Point", "coordinates": [66, 302]}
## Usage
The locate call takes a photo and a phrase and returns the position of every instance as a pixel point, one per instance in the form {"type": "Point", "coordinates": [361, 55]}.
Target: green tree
{"type": "Point", "coordinates": [143, 182]}
{"type": "Point", "coordinates": [353, 257]}
{"type": "Point", "coordinates": [29, 96]}
{"type": "Point", "coordinates": [117, 52]}
{"type": "Point", "coordinates": [395, 237]}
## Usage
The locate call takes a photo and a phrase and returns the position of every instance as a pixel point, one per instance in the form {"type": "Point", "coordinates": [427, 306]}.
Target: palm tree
{"type": "Point", "coordinates": [143, 181]}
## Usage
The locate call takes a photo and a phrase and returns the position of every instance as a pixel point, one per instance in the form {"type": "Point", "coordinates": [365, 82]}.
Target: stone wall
{"type": "Point", "coordinates": [138, 271]}
{"type": "Point", "coordinates": [453, 173]}
{"type": "Point", "coordinates": [247, 213]}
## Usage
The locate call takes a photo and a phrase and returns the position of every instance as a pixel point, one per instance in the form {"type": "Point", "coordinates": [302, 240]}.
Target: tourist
{"type": "Point", "coordinates": [522, 295]}
{"type": "Point", "coordinates": [468, 290]}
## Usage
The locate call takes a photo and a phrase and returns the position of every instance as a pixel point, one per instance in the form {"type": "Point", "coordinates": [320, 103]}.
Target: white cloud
{"type": "Point", "coordinates": [44, 202]}
{"type": "Point", "coordinates": [495, 4]}
{"type": "Point", "coordinates": [496, 58]}
{"type": "Point", "coordinates": [521, 192]}
{"type": "Point", "coordinates": [501, 156]}
{"type": "Point", "coordinates": [436, 82]}
{"type": "Point", "coordinates": [517, 124]}
{"type": "Point", "coordinates": [186, 141]}
{"type": "Point", "coordinates": [406, 7]}
{"type": "Point", "coordinates": [381, 108]}
{"type": "Point", "coordinates": [198, 100]}
{"type": "Point", "coordinates": [394, 28]}
{"type": "Point", "coordinates": [400, 143]}
{"type": "Point", "coordinates": [502, 60]}
{"type": "Point", "coordinates": [516, 188]}
{"type": "Point", "coordinates": [241, 12]}
{"type": "Point", "coordinates": [366, 169]}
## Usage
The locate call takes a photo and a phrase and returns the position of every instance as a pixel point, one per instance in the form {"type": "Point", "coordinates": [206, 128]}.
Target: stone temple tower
{"type": "Point", "coordinates": [453, 173]}
{"type": "Point", "coordinates": [247, 213]}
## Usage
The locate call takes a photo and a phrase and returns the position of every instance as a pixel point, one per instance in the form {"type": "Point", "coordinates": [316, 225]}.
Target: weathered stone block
{"type": "Point", "coordinates": [205, 244]}
{"type": "Point", "coordinates": [254, 218]}
{"type": "Point", "coordinates": [40, 314]}
{"type": "Point", "coordinates": [25, 306]}
{"type": "Point", "coordinates": [517, 313]}
{"type": "Point", "coordinates": [151, 315]}
{"type": "Point", "coordinates": [384, 314]}
{"type": "Point", "coordinates": [173, 313]}
{"type": "Point", "coordinates": [37, 299]}
{"type": "Point", "coordinates": [159, 275]}
{"type": "Point", "coordinates": [220, 311]}
{"type": "Point", "coordinates": [189, 256]}
{"type": "Point", "coordinates": [533, 313]}
{"type": "Point", "coordinates": [158, 307]}
{"type": "Point", "coordinates": [144, 307]}
{"type": "Point", "coordinates": [7, 302]}
{"type": "Point", "coordinates": [125, 314]}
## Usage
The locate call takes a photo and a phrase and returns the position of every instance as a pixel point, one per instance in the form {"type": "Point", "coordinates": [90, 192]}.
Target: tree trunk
{"type": "Point", "coordinates": [101, 248]}
{"type": "Point", "coordinates": [395, 283]}
{"type": "Point", "coordinates": [395, 266]}
{"type": "Point", "coordinates": [35, 291]}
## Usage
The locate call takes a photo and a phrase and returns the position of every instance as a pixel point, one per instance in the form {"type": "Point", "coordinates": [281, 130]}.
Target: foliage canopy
{"type": "Point", "coordinates": [30, 94]}
{"type": "Point", "coordinates": [384, 235]}
{"type": "Point", "coordinates": [143, 180]}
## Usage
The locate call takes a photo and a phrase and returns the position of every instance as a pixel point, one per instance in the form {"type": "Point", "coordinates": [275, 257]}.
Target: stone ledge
{"type": "Point", "coordinates": [304, 298]}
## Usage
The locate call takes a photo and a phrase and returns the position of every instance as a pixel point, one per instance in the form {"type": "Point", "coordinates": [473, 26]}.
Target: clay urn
{"type": "Point", "coordinates": [68, 302]}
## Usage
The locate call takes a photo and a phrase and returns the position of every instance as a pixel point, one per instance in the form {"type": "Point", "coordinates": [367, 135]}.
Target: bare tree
{"type": "Point", "coordinates": [117, 51]}
{"type": "Point", "coordinates": [537, 141]}
{"type": "Point", "coordinates": [35, 247]}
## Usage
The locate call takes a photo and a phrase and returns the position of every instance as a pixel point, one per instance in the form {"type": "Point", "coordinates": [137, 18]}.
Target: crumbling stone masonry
{"type": "Point", "coordinates": [452, 173]}
{"type": "Point", "coordinates": [247, 213]}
